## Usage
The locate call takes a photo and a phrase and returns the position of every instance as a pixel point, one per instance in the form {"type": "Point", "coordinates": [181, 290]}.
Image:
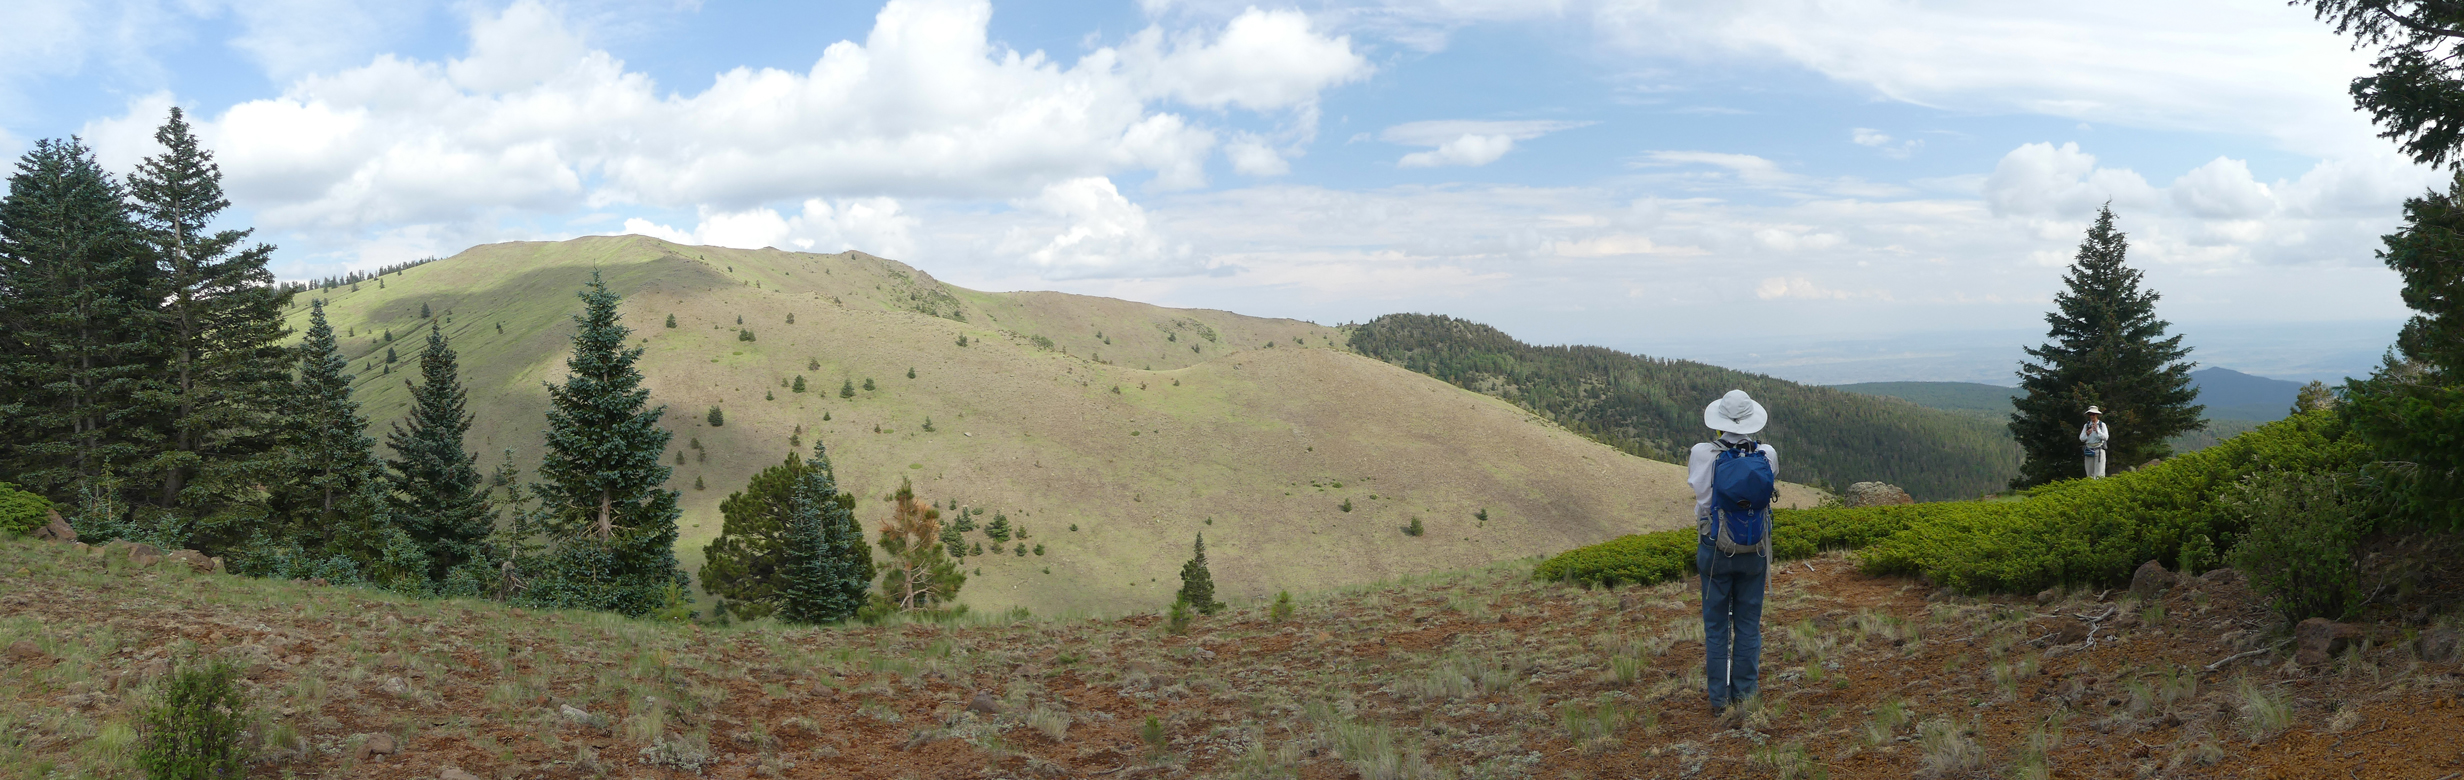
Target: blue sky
{"type": "Point", "coordinates": [1724, 182]}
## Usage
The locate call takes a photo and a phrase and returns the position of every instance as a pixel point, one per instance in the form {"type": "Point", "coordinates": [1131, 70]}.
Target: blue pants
{"type": "Point", "coordinates": [1733, 588]}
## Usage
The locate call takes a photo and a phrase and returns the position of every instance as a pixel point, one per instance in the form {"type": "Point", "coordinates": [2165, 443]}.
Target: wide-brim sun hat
{"type": "Point", "coordinates": [2094, 410]}
{"type": "Point", "coordinates": [1735, 413]}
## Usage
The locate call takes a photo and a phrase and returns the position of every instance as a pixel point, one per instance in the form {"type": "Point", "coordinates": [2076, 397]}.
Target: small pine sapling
{"type": "Point", "coordinates": [962, 339]}
{"type": "Point", "coordinates": [1414, 529]}
{"type": "Point", "coordinates": [847, 388]}
{"type": "Point", "coordinates": [697, 483]}
{"type": "Point", "coordinates": [799, 385]}
{"type": "Point", "coordinates": [812, 364]}
{"type": "Point", "coordinates": [791, 318]}
{"type": "Point", "coordinates": [999, 529]}
{"type": "Point", "coordinates": [928, 424]}
{"type": "Point", "coordinates": [194, 729]}
{"type": "Point", "coordinates": [1197, 584]}
{"type": "Point", "coordinates": [910, 372]}
{"type": "Point", "coordinates": [868, 384]}
{"type": "Point", "coordinates": [1283, 607]}
{"type": "Point", "coordinates": [1345, 506]}
{"type": "Point", "coordinates": [718, 418]}
{"type": "Point", "coordinates": [671, 322]}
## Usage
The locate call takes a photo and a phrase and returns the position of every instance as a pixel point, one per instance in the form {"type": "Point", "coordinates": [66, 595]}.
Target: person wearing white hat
{"type": "Point", "coordinates": [1735, 572]}
{"type": "Point", "coordinates": [2093, 437]}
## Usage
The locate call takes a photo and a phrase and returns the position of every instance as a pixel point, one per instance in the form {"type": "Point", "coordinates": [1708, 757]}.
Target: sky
{"type": "Point", "coordinates": [1827, 190]}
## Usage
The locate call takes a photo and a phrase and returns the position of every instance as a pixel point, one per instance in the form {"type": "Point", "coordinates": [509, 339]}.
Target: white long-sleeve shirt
{"type": "Point", "coordinates": [1698, 476]}
{"type": "Point", "coordinates": [2094, 434]}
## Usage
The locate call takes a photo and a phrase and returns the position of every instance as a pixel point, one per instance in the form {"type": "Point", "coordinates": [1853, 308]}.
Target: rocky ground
{"type": "Point", "coordinates": [1473, 675]}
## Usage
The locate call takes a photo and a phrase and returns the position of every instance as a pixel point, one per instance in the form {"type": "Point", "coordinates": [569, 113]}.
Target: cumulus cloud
{"type": "Point", "coordinates": [532, 121]}
{"type": "Point", "coordinates": [1102, 235]}
{"type": "Point", "coordinates": [2061, 181]}
{"type": "Point", "coordinates": [877, 226]}
{"type": "Point", "coordinates": [1467, 143]}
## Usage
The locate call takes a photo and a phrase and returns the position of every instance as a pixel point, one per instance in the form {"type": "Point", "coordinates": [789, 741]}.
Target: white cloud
{"type": "Point", "coordinates": [2049, 181]}
{"type": "Point", "coordinates": [1866, 136]}
{"type": "Point", "coordinates": [1745, 167]}
{"type": "Point", "coordinates": [1466, 150]}
{"type": "Point", "coordinates": [1101, 235]}
{"type": "Point", "coordinates": [1795, 287]}
{"type": "Point", "coordinates": [1263, 61]}
{"type": "Point", "coordinates": [876, 226]}
{"type": "Point", "coordinates": [1470, 143]}
{"type": "Point", "coordinates": [2222, 189]}
{"type": "Point", "coordinates": [533, 122]}
{"type": "Point", "coordinates": [1250, 155]}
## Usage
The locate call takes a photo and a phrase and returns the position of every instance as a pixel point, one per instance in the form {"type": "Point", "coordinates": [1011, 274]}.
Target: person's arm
{"type": "Point", "coordinates": [1698, 476]}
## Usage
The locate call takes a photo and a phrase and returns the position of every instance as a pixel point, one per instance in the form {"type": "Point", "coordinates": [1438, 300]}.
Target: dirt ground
{"type": "Point", "coordinates": [1467, 675]}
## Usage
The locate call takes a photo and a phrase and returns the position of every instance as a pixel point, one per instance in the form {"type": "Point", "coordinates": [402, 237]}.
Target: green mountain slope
{"type": "Point", "coordinates": [1653, 408]}
{"type": "Point", "coordinates": [2233, 395]}
{"type": "Point", "coordinates": [1992, 402]}
{"type": "Point", "coordinates": [1140, 425]}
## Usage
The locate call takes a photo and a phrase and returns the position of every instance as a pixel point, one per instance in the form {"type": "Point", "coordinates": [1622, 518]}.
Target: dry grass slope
{"type": "Point", "coordinates": [1139, 425]}
{"type": "Point", "coordinates": [1477, 674]}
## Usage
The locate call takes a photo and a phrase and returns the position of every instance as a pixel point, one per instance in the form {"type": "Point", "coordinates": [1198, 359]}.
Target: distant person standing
{"type": "Point", "coordinates": [1734, 479]}
{"type": "Point", "coordinates": [2094, 436]}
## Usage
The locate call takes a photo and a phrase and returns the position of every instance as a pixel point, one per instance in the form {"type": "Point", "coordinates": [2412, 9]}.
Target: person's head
{"type": "Point", "coordinates": [1735, 413]}
{"type": "Point", "coordinates": [2095, 414]}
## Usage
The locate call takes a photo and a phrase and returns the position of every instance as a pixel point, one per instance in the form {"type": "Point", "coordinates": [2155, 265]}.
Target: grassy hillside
{"type": "Point", "coordinates": [2233, 395]}
{"type": "Point", "coordinates": [1141, 426]}
{"type": "Point", "coordinates": [1653, 407]}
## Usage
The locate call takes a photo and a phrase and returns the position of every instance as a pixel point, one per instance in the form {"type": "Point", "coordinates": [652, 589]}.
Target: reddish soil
{"type": "Point", "coordinates": [1484, 674]}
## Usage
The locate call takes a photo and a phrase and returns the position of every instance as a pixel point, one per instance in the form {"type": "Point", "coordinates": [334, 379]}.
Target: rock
{"type": "Point", "coordinates": [317, 581]}
{"type": "Point", "coordinates": [2048, 595]}
{"type": "Point", "coordinates": [573, 713]}
{"type": "Point", "coordinates": [379, 744]}
{"type": "Point", "coordinates": [23, 650]}
{"type": "Point", "coordinates": [2070, 633]}
{"type": "Point", "coordinates": [2437, 645]}
{"type": "Point", "coordinates": [983, 704]}
{"type": "Point", "coordinates": [2224, 578]}
{"type": "Point", "coordinates": [1875, 494]}
{"type": "Point", "coordinates": [2317, 641]}
{"type": "Point", "coordinates": [455, 773]}
{"type": "Point", "coordinates": [57, 530]}
{"type": "Point", "coordinates": [197, 561]}
{"type": "Point", "coordinates": [2151, 581]}
{"type": "Point", "coordinates": [395, 686]}
{"type": "Point", "coordinates": [135, 550]}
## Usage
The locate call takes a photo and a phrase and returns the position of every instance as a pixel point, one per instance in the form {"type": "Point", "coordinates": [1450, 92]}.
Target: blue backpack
{"type": "Point", "coordinates": [1742, 486]}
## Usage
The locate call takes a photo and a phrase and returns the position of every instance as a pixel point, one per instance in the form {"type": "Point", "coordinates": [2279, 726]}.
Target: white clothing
{"type": "Point", "coordinates": [1698, 476]}
{"type": "Point", "coordinates": [2094, 435]}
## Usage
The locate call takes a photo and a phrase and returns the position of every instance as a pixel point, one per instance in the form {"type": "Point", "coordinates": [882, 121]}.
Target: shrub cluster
{"type": "Point", "coordinates": [2073, 532]}
{"type": "Point", "coordinates": [21, 512]}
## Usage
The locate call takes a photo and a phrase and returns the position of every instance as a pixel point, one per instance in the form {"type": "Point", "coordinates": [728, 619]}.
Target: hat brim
{"type": "Point", "coordinates": [1753, 422]}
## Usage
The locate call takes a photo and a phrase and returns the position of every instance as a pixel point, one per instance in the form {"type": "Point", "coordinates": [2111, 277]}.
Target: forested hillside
{"type": "Point", "coordinates": [1653, 408]}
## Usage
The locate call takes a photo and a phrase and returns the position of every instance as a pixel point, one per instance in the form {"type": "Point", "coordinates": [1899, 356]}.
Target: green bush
{"type": "Point", "coordinates": [2074, 532]}
{"type": "Point", "coordinates": [193, 729]}
{"type": "Point", "coordinates": [2299, 542]}
{"type": "Point", "coordinates": [21, 512]}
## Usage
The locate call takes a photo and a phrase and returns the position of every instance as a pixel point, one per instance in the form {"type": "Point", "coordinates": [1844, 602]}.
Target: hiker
{"type": "Point", "coordinates": [2094, 436]}
{"type": "Point", "coordinates": [1734, 479]}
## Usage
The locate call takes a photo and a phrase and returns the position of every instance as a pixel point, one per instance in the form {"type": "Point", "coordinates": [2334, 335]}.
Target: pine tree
{"type": "Point", "coordinates": [799, 383]}
{"type": "Point", "coordinates": [329, 518]}
{"type": "Point", "coordinates": [616, 527]}
{"type": "Point", "coordinates": [438, 497]}
{"type": "Point", "coordinates": [827, 569]}
{"type": "Point", "coordinates": [1197, 584]}
{"type": "Point", "coordinates": [919, 575]}
{"type": "Point", "coordinates": [2106, 348]}
{"type": "Point", "coordinates": [424, 312]}
{"type": "Point", "coordinates": [847, 388]}
{"type": "Point", "coordinates": [671, 320]}
{"type": "Point", "coordinates": [741, 566]}
{"type": "Point", "coordinates": [2406, 410]}
{"type": "Point", "coordinates": [222, 328]}
{"type": "Point", "coordinates": [78, 307]}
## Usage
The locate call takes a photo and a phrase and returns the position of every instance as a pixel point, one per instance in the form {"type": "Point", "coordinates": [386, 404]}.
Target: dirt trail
{"type": "Point", "coordinates": [1479, 674]}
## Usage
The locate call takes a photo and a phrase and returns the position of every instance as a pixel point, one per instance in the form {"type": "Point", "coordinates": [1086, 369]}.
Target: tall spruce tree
{"type": "Point", "coordinates": [826, 569]}
{"type": "Point", "coordinates": [1198, 584]}
{"type": "Point", "coordinates": [615, 527]}
{"type": "Point", "coordinates": [2106, 348]}
{"type": "Point", "coordinates": [77, 332]}
{"type": "Point", "coordinates": [221, 324]}
{"type": "Point", "coordinates": [328, 515]}
{"type": "Point", "coordinates": [437, 493]}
